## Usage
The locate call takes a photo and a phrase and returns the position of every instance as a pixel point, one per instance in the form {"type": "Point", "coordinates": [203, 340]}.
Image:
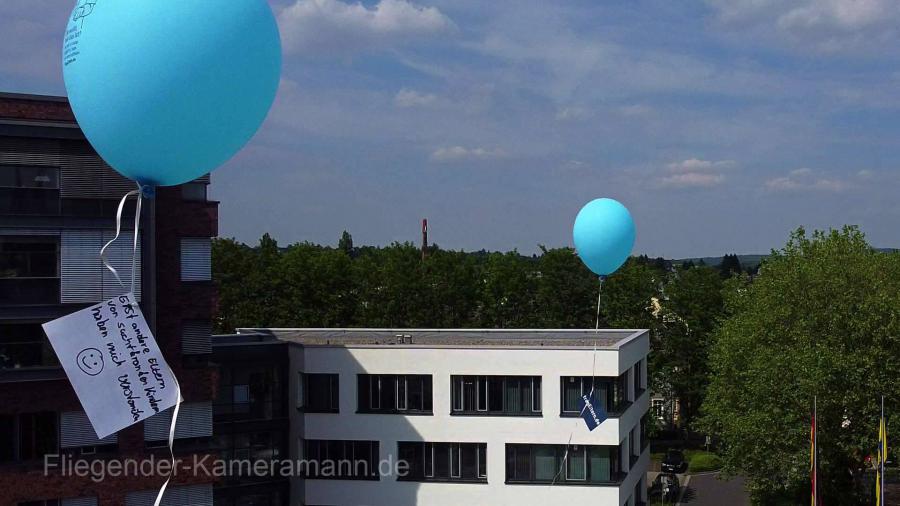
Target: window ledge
{"type": "Point", "coordinates": [320, 411]}
{"type": "Point", "coordinates": [395, 412]}
{"type": "Point", "coordinates": [447, 480]}
{"type": "Point", "coordinates": [537, 414]}
{"type": "Point", "coordinates": [569, 483]}
{"type": "Point", "coordinates": [342, 478]}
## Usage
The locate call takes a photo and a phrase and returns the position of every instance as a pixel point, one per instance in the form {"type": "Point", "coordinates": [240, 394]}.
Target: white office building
{"type": "Point", "coordinates": [478, 417]}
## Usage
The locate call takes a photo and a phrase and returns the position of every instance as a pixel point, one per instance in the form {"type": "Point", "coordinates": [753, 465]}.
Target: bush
{"type": "Point", "coordinates": [700, 462]}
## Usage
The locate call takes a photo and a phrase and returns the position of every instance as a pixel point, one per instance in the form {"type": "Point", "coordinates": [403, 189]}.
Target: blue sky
{"type": "Point", "coordinates": [721, 124]}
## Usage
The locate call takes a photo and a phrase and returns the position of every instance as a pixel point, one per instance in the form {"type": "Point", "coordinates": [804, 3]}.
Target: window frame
{"type": "Point", "coordinates": [617, 402]}
{"type": "Point", "coordinates": [371, 389]}
{"type": "Point", "coordinates": [333, 394]}
{"type": "Point", "coordinates": [456, 454]}
{"type": "Point", "coordinates": [516, 452]}
{"type": "Point", "coordinates": [490, 382]}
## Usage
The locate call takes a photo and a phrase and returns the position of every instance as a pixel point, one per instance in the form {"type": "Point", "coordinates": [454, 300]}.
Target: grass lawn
{"type": "Point", "coordinates": [699, 461]}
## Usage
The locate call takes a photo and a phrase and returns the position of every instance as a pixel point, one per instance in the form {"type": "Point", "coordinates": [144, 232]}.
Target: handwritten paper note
{"type": "Point", "coordinates": [113, 363]}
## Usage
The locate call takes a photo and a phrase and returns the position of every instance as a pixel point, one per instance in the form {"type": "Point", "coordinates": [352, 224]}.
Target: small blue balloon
{"type": "Point", "coordinates": [604, 235]}
{"type": "Point", "coordinates": [168, 90]}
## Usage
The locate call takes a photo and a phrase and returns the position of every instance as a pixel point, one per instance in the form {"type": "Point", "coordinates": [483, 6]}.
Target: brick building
{"type": "Point", "coordinates": [57, 208]}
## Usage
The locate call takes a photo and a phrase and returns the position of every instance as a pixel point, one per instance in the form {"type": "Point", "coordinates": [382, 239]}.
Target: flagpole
{"type": "Point", "coordinates": [883, 449]}
{"type": "Point", "coordinates": [815, 451]}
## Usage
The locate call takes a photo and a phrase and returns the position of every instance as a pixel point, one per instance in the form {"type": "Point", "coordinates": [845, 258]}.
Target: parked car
{"type": "Point", "coordinates": [674, 462]}
{"type": "Point", "coordinates": [665, 486]}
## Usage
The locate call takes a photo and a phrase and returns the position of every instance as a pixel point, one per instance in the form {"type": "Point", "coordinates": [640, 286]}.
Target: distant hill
{"type": "Point", "coordinates": [749, 260]}
{"type": "Point", "coordinates": [746, 260]}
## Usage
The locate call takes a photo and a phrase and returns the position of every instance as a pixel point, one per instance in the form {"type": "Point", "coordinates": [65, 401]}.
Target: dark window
{"type": "Point", "coordinates": [250, 393]}
{"type": "Point", "coordinates": [96, 207]}
{"type": "Point", "coordinates": [25, 176]}
{"type": "Point", "coordinates": [259, 445]}
{"type": "Point", "coordinates": [193, 191]}
{"type": "Point", "coordinates": [28, 436]}
{"type": "Point", "coordinates": [319, 393]}
{"type": "Point", "coordinates": [48, 502]}
{"type": "Point", "coordinates": [611, 392]}
{"type": "Point", "coordinates": [496, 395]}
{"type": "Point", "coordinates": [29, 189]}
{"type": "Point", "coordinates": [638, 369]}
{"type": "Point", "coordinates": [29, 201]}
{"type": "Point", "coordinates": [444, 461]}
{"type": "Point", "coordinates": [29, 257]}
{"type": "Point", "coordinates": [25, 345]}
{"type": "Point", "coordinates": [394, 393]}
{"type": "Point", "coordinates": [340, 460]}
{"type": "Point", "coordinates": [526, 463]}
{"type": "Point", "coordinates": [29, 270]}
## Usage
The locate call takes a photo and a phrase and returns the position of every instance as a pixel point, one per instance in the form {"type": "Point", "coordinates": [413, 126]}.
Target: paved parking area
{"type": "Point", "coordinates": [708, 490]}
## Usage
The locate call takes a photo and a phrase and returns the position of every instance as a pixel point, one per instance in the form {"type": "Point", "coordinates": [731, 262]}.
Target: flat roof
{"type": "Point", "coordinates": [508, 338]}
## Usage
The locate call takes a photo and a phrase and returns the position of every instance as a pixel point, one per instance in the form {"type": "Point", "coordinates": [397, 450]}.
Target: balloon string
{"type": "Point", "coordinates": [108, 265]}
{"type": "Point", "coordinates": [599, 294]}
{"type": "Point", "coordinates": [593, 382]}
{"type": "Point", "coordinates": [137, 222]}
{"type": "Point", "coordinates": [172, 470]}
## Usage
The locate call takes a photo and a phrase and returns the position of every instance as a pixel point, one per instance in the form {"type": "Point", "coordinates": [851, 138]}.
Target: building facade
{"type": "Point", "coordinates": [250, 417]}
{"type": "Point", "coordinates": [475, 416]}
{"type": "Point", "coordinates": [58, 201]}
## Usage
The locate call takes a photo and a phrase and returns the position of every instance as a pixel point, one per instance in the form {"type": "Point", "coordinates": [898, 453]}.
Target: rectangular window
{"type": "Point", "coordinates": [394, 393]}
{"type": "Point", "coordinates": [29, 201]}
{"type": "Point", "coordinates": [583, 464]}
{"type": "Point", "coordinates": [28, 436]}
{"type": "Point", "coordinates": [576, 465]}
{"type": "Point", "coordinates": [193, 191]}
{"type": "Point", "coordinates": [446, 462]}
{"type": "Point", "coordinates": [29, 270]}
{"type": "Point", "coordinates": [196, 259]}
{"type": "Point", "coordinates": [340, 459]}
{"type": "Point", "coordinates": [25, 176]}
{"type": "Point", "coordinates": [496, 395]}
{"type": "Point", "coordinates": [610, 391]}
{"type": "Point", "coordinates": [638, 375]}
{"type": "Point", "coordinates": [25, 345]}
{"type": "Point", "coordinates": [320, 393]}
{"type": "Point", "coordinates": [482, 393]}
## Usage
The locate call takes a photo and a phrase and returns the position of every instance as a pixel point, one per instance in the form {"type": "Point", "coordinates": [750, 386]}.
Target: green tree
{"type": "Point", "coordinates": [821, 319]}
{"type": "Point", "coordinates": [730, 266]}
{"type": "Point", "coordinates": [681, 339]}
{"type": "Point", "coordinates": [345, 243]}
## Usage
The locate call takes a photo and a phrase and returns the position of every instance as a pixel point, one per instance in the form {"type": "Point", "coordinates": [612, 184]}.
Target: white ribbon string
{"type": "Point", "coordinates": [162, 490]}
{"type": "Point", "coordinates": [137, 223]}
{"type": "Point", "coordinates": [591, 394]}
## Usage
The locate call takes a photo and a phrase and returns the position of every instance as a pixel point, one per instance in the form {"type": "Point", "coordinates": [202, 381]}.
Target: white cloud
{"type": "Point", "coordinates": [823, 25]}
{"type": "Point", "coordinates": [412, 98]}
{"type": "Point", "coordinates": [572, 113]}
{"type": "Point", "coordinates": [313, 26]}
{"type": "Point", "coordinates": [806, 179]}
{"type": "Point", "coordinates": [451, 153]}
{"type": "Point", "coordinates": [692, 180]}
{"type": "Point", "coordinates": [695, 173]}
{"type": "Point", "coordinates": [697, 165]}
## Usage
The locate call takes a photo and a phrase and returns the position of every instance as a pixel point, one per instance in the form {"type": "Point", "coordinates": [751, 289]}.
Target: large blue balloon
{"type": "Point", "coordinates": [604, 235]}
{"type": "Point", "coordinates": [168, 90]}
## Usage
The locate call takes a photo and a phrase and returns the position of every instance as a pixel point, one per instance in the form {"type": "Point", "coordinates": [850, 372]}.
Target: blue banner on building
{"type": "Point", "coordinates": [592, 410]}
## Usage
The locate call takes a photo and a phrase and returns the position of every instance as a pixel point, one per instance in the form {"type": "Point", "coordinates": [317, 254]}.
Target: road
{"type": "Point", "coordinates": [707, 490]}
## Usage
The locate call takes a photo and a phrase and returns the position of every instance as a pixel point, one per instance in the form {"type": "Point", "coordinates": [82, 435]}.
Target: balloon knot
{"type": "Point", "coordinates": [148, 191]}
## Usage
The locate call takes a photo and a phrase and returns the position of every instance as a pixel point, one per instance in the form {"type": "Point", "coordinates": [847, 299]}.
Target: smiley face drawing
{"type": "Point", "coordinates": [90, 361]}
